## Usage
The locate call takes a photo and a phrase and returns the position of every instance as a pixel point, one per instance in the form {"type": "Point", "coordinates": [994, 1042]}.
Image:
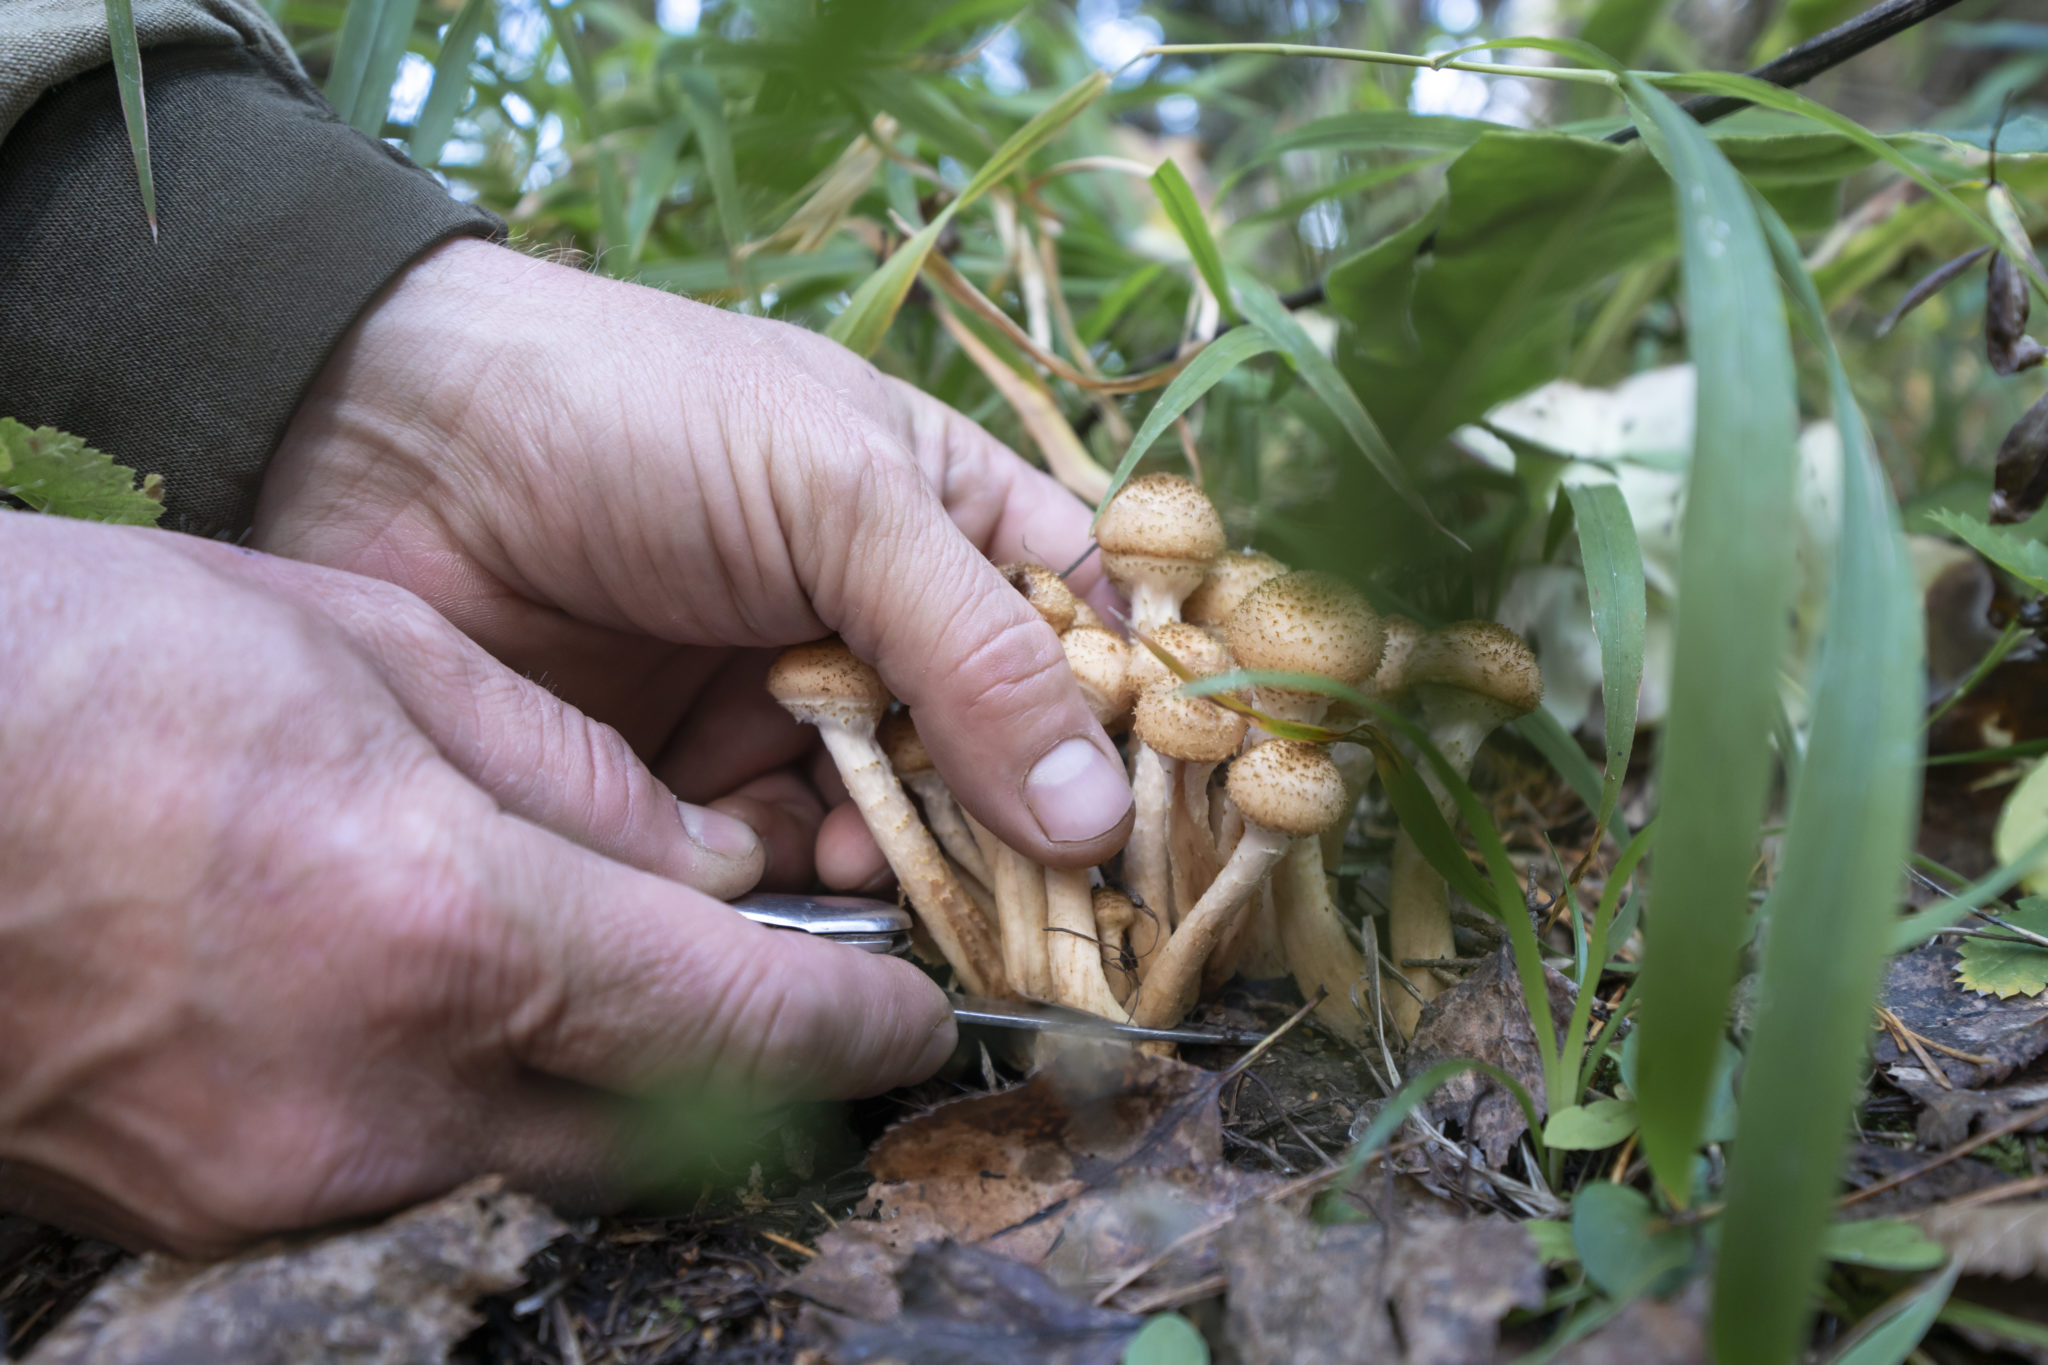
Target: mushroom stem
{"type": "Point", "coordinates": [1073, 944]}
{"type": "Point", "coordinates": [948, 826]}
{"type": "Point", "coordinates": [1316, 941]}
{"type": "Point", "coordinates": [1191, 853]}
{"type": "Point", "coordinates": [1165, 994]}
{"type": "Point", "coordinates": [1020, 910]}
{"type": "Point", "coordinates": [1147, 871]}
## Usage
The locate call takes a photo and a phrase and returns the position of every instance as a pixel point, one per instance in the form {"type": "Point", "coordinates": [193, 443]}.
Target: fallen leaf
{"type": "Point", "coordinates": [2008, 1240]}
{"type": "Point", "coordinates": [1454, 1280]}
{"type": "Point", "coordinates": [1868, 1163]}
{"type": "Point", "coordinates": [1921, 991]}
{"type": "Point", "coordinates": [1992, 966]}
{"type": "Point", "coordinates": [1484, 1017]}
{"type": "Point", "coordinates": [1648, 1332]}
{"type": "Point", "coordinates": [397, 1292]}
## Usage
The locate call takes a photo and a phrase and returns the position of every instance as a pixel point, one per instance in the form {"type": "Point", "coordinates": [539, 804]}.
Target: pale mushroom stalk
{"type": "Point", "coordinates": [1155, 768]}
{"type": "Point", "coordinates": [914, 768]}
{"type": "Point", "coordinates": [823, 684]}
{"type": "Point", "coordinates": [1073, 944]}
{"type": "Point", "coordinates": [1020, 910]}
{"type": "Point", "coordinates": [1191, 852]}
{"type": "Point", "coordinates": [1469, 678]}
{"type": "Point", "coordinates": [1114, 918]}
{"type": "Point", "coordinates": [1285, 790]}
{"type": "Point", "coordinates": [1147, 866]}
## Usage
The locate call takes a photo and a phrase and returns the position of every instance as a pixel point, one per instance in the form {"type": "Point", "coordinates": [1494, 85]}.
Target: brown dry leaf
{"type": "Point", "coordinates": [1869, 1162]}
{"type": "Point", "coordinates": [1453, 1281]}
{"type": "Point", "coordinates": [1003, 1168]}
{"type": "Point", "coordinates": [1650, 1331]}
{"type": "Point", "coordinates": [1920, 989]}
{"type": "Point", "coordinates": [1484, 1017]}
{"type": "Point", "coordinates": [2009, 1240]}
{"type": "Point", "coordinates": [397, 1292]}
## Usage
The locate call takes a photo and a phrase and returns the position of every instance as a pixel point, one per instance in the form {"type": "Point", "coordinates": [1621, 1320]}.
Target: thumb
{"type": "Point", "coordinates": [984, 674]}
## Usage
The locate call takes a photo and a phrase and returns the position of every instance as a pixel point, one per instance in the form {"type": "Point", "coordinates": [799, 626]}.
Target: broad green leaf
{"type": "Point", "coordinates": [1553, 1239]}
{"type": "Point", "coordinates": [1167, 1339]}
{"type": "Point", "coordinates": [1369, 130]}
{"type": "Point", "coordinates": [1184, 211]}
{"type": "Point", "coordinates": [611, 198]}
{"type": "Point", "coordinates": [1263, 307]}
{"type": "Point", "coordinates": [1736, 569]}
{"type": "Point", "coordinates": [366, 56]}
{"type": "Point", "coordinates": [874, 305]}
{"type": "Point", "coordinates": [451, 82]}
{"type": "Point", "coordinates": [1290, 209]}
{"type": "Point", "coordinates": [1624, 1246]}
{"type": "Point", "coordinates": [2022, 829]}
{"type": "Point", "coordinates": [1614, 584]}
{"type": "Point", "coordinates": [1884, 1243]}
{"type": "Point", "coordinates": [1890, 1333]}
{"type": "Point", "coordinates": [704, 106]}
{"type": "Point", "coordinates": [1590, 1127]}
{"type": "Point", "coordinates": [1621, 27]}
{"type": "Point", "coordinates": [1203, 373]}
{"type": "Point", "coordinates": [2019, 555]}
{"type": "Point", "coordinates": [127, 50]}
{"type": "Point", "coordinates": [1830, 913]}
{"type": "Point", "coordinates": [55, 472]}
{"type": "Point", "coordinates": [1991, 966]}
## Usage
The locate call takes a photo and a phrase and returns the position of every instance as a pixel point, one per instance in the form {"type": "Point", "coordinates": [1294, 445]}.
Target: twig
{"type": "Point", "coordinates": [2026, 1119]}
{"type": "Point", "coordinates": [2038, 940]}
{"type": "Point", "coordinates": [1995, 1194]}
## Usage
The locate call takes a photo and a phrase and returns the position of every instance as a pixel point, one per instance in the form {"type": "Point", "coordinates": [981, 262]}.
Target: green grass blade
{"type": "Point", "coordinates": [451, 82]}
{"type": "Point", "coordinates": [611, 195]}
{"type": "Point", "coordinates": [1914, 930]}
{"type": "Point", "coordinates": [134, 108]}
{"type": "Point", "coordinates": [1735, 569]}
{"type": "Point", "coordinates": [866, 319]}
{"type": "Point", "coordinates": [1614, 583]}
{"type": "Point", "coordinates": [1184, 211]}
{"type": "Point", "coordinates": [1895, 1327]}
{"type": "Point", "coordinates": [704, 105]}
{"type": "Point", "coordinates": [652, 179]}
{"type": "Point", "coordinates": [1849, 832]}
{"type": "Point", "coordinates": [1263, 307]}
{"type": "Point", "coordinates": [373, 38]}
{"type": "Point", "coordinates": [1203, 373]}
{"type": "Point", "coordinates": [1563, 753]}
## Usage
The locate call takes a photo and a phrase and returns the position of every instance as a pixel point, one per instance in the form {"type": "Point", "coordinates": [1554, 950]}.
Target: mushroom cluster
{"type": "Point", "coordinates": [1226, 868]}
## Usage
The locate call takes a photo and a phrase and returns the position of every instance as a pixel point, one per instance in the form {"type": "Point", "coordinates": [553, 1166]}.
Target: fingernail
{"type": "Point", "coordinates": [1077, 793]}
{"type": "Point", "coordinates": [717, 834]}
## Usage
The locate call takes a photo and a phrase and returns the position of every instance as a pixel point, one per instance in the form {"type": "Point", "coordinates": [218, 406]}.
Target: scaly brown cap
{"type": "Point", "coordinates": [1101, 664]}
{"type": "Point", "coordinates": [1229, 580]}
{"type": "Point", "coordinates": [1391, 678]}
{"type": "Point", "coordinates": [1484, 658]}
{"type": "Point", "coordinates": [903, 746]}
{"type": "Point", "coordinates": [823, 681]}
{"type": "Point", "coordinates": [1113, 909]}
{"type": "Point", "coordinates": [1288, 787]}
{"type": "Point", "coordinates": [1160, 528]}
{"type": "Point", "coordinates": [1195, 649]}
{"type": "Point", "coordinates": [1307, 623]}
{"type": "Point", "coordinates": [1191, 729]}
{"type": "Point", "coordinates": [1044, 590]}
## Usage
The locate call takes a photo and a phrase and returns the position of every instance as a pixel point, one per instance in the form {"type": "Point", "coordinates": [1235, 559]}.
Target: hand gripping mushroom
{"type": "Point", "coordinates": [823, 684]}
{"type": "Point", "coordinates": [1287, 791]}
{"type": "Point", "coordinates": [1469, 678]}
{"type": "Point", "coordinates": [1158, 537]}
{"type": "Point", "coordinates": [1310, 623]}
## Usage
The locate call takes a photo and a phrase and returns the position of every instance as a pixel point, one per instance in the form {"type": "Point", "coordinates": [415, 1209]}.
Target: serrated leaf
{"type": "Point", "coordinates": [1884, 1243]}
{"type": "Point", "coordinates": [2021, 556]}
{"type": "Point", "coordinates": [1590, 1127]}
{"type": "Point", "coordinates": [1991, 966]}
{"type": "Point", "coordinates": [55, 472]}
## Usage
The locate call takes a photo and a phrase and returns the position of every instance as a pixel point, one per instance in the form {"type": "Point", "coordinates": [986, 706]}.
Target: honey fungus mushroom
{"type": "Point", "coordinates": [1159, 536]}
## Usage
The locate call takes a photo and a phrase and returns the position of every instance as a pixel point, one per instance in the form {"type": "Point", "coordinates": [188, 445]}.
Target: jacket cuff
{"type": "Point", "coordinates": [185, 356]}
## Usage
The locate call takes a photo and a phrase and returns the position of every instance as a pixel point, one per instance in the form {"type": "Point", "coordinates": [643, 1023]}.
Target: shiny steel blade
{"type": "Point", "coordinates": [1033, 1017]}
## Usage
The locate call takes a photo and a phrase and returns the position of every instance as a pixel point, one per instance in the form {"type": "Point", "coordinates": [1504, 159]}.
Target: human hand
{"type": "Point", "coordinates": [636, 499]}
{"type": "Point", "coordinates": [312, 909]}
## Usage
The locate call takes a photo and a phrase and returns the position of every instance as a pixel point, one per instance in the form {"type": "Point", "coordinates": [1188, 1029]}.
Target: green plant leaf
{"type": "Point", "coordinates": [1736, 564]}
{"type": "Point", "coordinates": [611, 197]}
{"type": "Point", "coordinates": [366, 55]}
{"type": "Point", "coordinates": [1203, 373]}
{"type": "Point", "coordinates": [1992, 966]}
{"type": "Point", "coordinates": [1368, 130]}
{"type": "Point", "coordinates": [451, 82]}
{"type": "Point", "coordinates": [1563, 753]}
{"type": "Point", "coordinates": [2019, 555]}
{"type": "Point", "coordinates": [1624, 1246]}
{"type": "Point", "coordinates": [874, 305]}
{"type": "Point", "coordinates": [1590, 1127]}
{"type": "Point", "coordinates": [127, 49]}
{"type": "Point", "coordinates": [1167, 1339]}
{"type": "Point", "coordinates": [704, 106]}
{"type": "Point", "coordinates": [1614, 584]}
{"type": "Point", "coordinates": [55, 472]}
{"type": "Point", "coordinates": [1891, 1332]}
{"type": "Point", "coordinates": [1621, 27]}
{"type": "Point", "coordinates": [1553, 1239]}
{"type": "Point", "coordinates": [652, 180]}
{"type": "Point", "coordinates": [1852, 815]}
{"type": "Point", "coordinates": [1883, 1243]}
{"type": "Point", "coordinates": [1978, 1318]}
{"type": "Point", "coordinates": [1185, 212]}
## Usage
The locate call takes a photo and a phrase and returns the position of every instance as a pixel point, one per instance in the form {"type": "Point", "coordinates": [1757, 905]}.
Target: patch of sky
{"type": "Point", "coordinates": [1178, 113]}
{"type": "Point", "coordinates": [522, 30]}
{"type": "Point", "coordinates": [1001, 71]}
{"type": "Point", "coordinates": [1322, 227]}
{"type": "Point", "coordinates": [1114, 32]}
{"type": "Point", "coordinates": [518, 110]}
{"type": "Point", "coordinates": [679, 16]}
{"type": "Point", "coordinates": [1455, 16]}
{"type": "Point", "coordinates": [409, 90]}
{"type": "Point", "coordinates": [549, 161]}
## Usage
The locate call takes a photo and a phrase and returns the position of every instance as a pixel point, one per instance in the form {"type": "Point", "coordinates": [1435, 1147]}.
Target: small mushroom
{"type": "Point", "coordinates": [1229, 580]}
{"type": "Point", "coordinates": [1192, 735]}
{"type": "Point", "coordinates": [1158, 537]}
{"type": "Point", "coordinates": [1305, 622]}
{"type": "Point", "coordinates": [823, 684]}
{"type": "Point", "coordinates": [1469, 678]}
{"type": "Point", "coordinates": [1101, 664]}
{"type": "Point", "coordinates": [1046, 591]}
{"type": "Point", "coordinates": [1285, 790]}
{"type": "Point", "coordinates": [1114, 917]}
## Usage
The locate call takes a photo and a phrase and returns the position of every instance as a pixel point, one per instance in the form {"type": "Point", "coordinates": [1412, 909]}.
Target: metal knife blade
{"type": "Point", "coordinates": [1033, 1017]}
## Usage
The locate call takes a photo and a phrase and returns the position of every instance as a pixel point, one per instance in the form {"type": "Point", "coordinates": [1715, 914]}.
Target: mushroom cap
{"type": "Point", "coordinates": [1289, 787]}
{"type": "Point", "coordinates": [1193, 648]}
{"type": "Point", "coordinates": [1307, 622]}
{"type": "Point", "coordinates": [1046, 591]}
{"type": "Point", "coordinates": [903, 746]}
{"type": "Point", "coordinates": [1113, 910]}
{"type": "Point", "coordinates": [1234, 574]}
{"type": "Point", "coordinates": [1101, 664]}
{"type": "Point", "coordinates": [1085, 615]}
{"type": "Point", "coordinates": [1162, 529]}
{"type": "Point", "coordinates": [1483, 658]}
{"type": "Point", "coordinates": [1192, 729]}
{"type": "Point", "coordinates": [1392, 676]}
{"type": "Point", "coordinates": [823, 681]}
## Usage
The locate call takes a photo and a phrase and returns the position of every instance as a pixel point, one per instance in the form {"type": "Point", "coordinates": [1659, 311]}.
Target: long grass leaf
{"type": "Point", "coordinates": [1184, 211]}
{"type": "Point", "coordinates": [611, 194]}
{"type": "Point", "coordinates": [451, 82]}
{"type": "Point", "coordinates": [1847, 838]}
{"type": "Point", "coordinates": [705, 108]}
{"type": "Point", "coordinates": [1895, 1327]}
{"type": "Point", "coordinates": [1735, 570]}
{"type": "Point", "coordinates": [1203, 373]}
{"type": "Point", "coordinates": [1613, 561]}
{"type": "Point", "coordinates": [1914, 930]}
{"type": "Point", "coordinates": [1562, 752]}
{"type": "Point", "coordinates": [366, 56]}
{"type": "Point", "coordinates": [134, 108]}
{"type": "Point", "coordinates": [652, 180]}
